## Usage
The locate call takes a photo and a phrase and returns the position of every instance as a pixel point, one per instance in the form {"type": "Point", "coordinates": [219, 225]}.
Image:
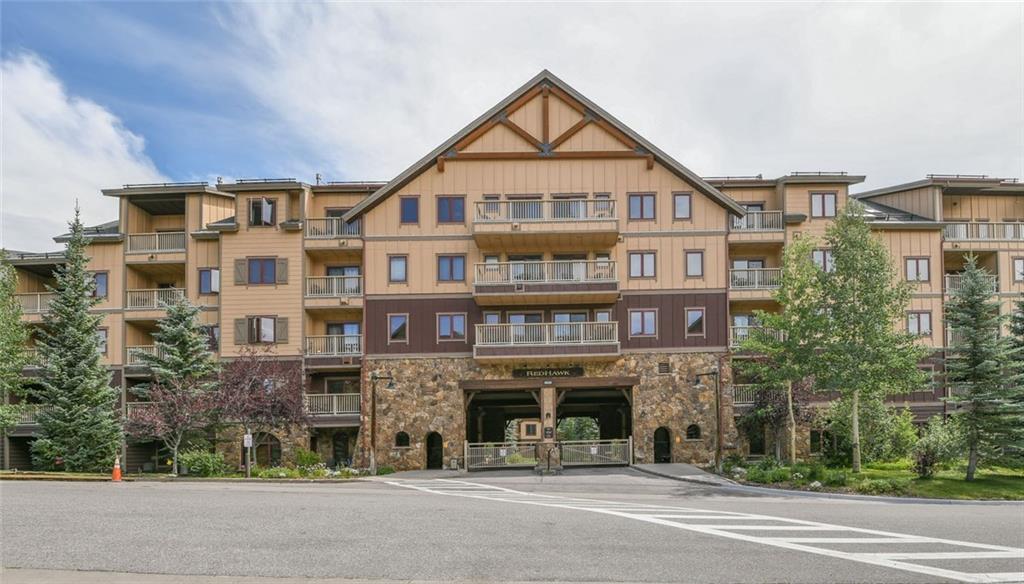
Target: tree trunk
{"type": "Point", "coordinates": [791, 422]}
{"type": "Point", "coordinates": [855, 421]}
{"type": "Point", "coordinates": [174, 455]}
{"type": "Point", "coordinates": [972, 460]}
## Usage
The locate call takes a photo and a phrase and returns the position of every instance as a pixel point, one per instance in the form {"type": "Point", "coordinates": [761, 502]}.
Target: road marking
{"type": "Point", "coordinates": [677, 517]}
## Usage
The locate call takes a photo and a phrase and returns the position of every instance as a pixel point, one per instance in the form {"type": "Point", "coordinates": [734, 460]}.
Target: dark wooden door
{"type": "Point", "coordinates": [662, 445]}
{"type": "Point", "coordinates": [435, 451]}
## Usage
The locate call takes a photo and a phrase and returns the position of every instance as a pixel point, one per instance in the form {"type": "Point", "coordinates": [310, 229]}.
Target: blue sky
{"type": "Point", "coordinates": [97, 94]}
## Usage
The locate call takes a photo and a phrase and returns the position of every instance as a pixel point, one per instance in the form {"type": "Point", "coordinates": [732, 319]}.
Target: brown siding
{"type": "Point", "coordinates": [422, 324]}
{"type": "Point", "coordinates": [672, 320]}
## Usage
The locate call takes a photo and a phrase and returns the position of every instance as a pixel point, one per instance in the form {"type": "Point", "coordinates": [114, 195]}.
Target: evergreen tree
{"type": "Point", "coordinates": [184, 380]}
{"type": "Point", "coordinates": [865, 353]}
{"type": "Point", "coordinates": [81, 428]}
{"type": "Point", "coordinates": [13, 357]}
{"type": "Point", "coordinates": [979, 368]}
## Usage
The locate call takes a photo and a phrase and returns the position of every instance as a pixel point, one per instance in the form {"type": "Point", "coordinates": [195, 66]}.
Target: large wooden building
{"type": "Point", "coordinates": [544, 263]}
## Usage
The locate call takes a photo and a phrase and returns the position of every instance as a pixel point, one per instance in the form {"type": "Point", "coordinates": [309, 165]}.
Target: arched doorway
{"type": "Point", "coordinates": [435, 451]}
{"type": "Point", "coordinates": [340, 444]}
{"type": "Point", "coordinates": [662, 445]}
{"type": "Point", "coordinates": [266, 450]}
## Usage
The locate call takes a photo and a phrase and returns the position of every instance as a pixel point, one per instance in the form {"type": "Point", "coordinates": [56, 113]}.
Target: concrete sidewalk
{"type": "Point", "coordinates": [684, 472]}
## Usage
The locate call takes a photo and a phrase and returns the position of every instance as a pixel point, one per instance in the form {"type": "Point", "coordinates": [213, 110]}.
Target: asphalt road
{"type": "Point", "coordinates": [499, 527]}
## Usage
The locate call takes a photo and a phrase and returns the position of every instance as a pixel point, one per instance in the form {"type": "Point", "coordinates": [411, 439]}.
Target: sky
{"type": "Point", "coordinates": [97, 95]}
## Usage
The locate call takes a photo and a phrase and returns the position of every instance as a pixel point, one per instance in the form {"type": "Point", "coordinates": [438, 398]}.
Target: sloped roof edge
{"type": "Point", "coordinates": [544, 76]}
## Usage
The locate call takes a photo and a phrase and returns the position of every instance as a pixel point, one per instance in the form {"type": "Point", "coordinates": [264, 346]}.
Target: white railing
{"type": "Point", "coordinates": [759, 221]}
{"type": "Point", "coordinates": [556, 272]}
{"type": "Point", "coordinates": [500, 455]}
{"type": "Point", "coordinates": [954, 282]}
{"type": "Point", "coordinates": [30, 411]}
{"type": "Point", "coordinates": [595, 452]}
{"type": "Point", "coordinates": [132, 409]}
{"type": "Point", "coordinates": [538, 210]}
{"type": "Point", "coordinates": [983, 231]}
{"type": "Point", "coordinates": [755, 279]}
{"type": "Point", "coordinates": [738, 334]}
{"type": "Point", "coordinates": [331, 404]}
{"type": "Point", "coordinates": [331, 228]}
{"type": "Point", "coordinates": [333, 286]}
{"type": "Point", "coordinates": [153, 298]}
{"type": "Point", "coordinates": [334, 345]}
{"type": "Point", "coordinates": [35, 303]}
{"type": "Point", "coordinates": [548, 333]}
{"type": "Point", "coordinates": [156, 242]}
{"type": "Point", "coordinates": [135, 353]}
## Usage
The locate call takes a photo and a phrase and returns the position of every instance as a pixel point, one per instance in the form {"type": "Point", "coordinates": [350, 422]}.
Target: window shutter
{"type": "Point", "coordinates": [215, 280]}
{"type": "Point", "coordinates": [282, 270]}
{"type": "Point", "coordinates": [241, 331]}
{"type": "Point", "coordinates": [281, 330]}
{"type": "Point", "coordinates": [241, 272]}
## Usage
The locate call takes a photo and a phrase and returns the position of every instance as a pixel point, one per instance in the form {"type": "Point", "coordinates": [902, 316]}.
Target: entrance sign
{"type": "Point", "coordinates": [247, 441]}
{"type": "Point", "coordinates": [549, 372]}
{"type": "Point", "coordinates": [549, 433]}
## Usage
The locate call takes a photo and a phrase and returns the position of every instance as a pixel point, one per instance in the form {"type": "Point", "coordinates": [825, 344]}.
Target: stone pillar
{"type": "Point", "coordinates": [548, 455]}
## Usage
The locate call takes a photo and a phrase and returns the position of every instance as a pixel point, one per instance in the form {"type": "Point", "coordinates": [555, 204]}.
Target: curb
{"type": "Point", "coordinates": [60, 479]}
{"type": "Point", "coordinates": [734, 486]}
{"type": "Point", "coordinates": [708, 482]}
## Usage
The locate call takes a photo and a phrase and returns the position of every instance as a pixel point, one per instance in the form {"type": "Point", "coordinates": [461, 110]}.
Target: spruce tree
{"type": "Point", "coordinates": [81, 428]}
{"type": "Point", "coordinates": [979, 368]}
{"type": "Point", "coordinates": [13, 357]}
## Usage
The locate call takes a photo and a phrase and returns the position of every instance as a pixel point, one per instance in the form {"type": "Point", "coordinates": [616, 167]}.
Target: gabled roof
{"type": "Point", "coordinates": [544, 77]}
{"type": "Point", "coordinates": [953, 184]}
{"type": "Point", "coordinates": [109, 231]}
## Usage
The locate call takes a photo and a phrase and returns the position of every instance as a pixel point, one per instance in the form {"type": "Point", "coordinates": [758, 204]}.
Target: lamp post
{"type": "Point", "coordinates": [718, 412]}
{"type": "Point", "coordinates": [373, 417]}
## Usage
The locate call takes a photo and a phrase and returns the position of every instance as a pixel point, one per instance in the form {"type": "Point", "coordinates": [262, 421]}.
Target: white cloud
{"type": "Point", "coordinates": [893, 91]}
{"type": "Point", "coordinates": [56, 148]}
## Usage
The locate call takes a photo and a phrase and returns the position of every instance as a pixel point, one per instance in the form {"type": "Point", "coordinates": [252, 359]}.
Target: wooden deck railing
{"type": "Point", "coordinates": [954, 282]}
{"type": "Point", "coordinates": [738, 334]}
{"type": "Point", "coordinates": [974, 231]}
{"type": "Point", "coordinates": [548, 333]}
{"type": "Point", "coordinates": [755, 221]}
{"type": "Point", "coordinates": [331, 228]}
{"type": "Point", "coordinates": [169, 241]}
{"type": "Point", "coordinates": [35, 302]}
{"type": "Point", "coordinates": [556, 272]}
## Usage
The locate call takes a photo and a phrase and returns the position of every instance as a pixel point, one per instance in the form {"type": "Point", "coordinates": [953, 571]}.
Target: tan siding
{"type": "Point", "coordinates": [922, 201]}
{"type": "Point", "coordinates": [990, 207]}
{"type": "Point", "coordinates": [530, 117]}
{"type": "Point", "coordinates": [500, 139]}
{"type": "Point", "coordinates": [915, 243]}
{"type": "Point", "coordinates": [769, 196]}
{"type": "Point", "coordinates": [319, 204]}
{"type": "Point", "coordinates": [561, 116]}
{"type": "Point", "coordinates": [109, 257]}
{"type": "Point", "coordinates": [591, 138]}
{"type": "Point", "coordinates": [798, 201]}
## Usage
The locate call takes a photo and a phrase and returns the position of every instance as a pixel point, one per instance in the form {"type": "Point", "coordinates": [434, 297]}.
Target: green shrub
{"type": "Point", "coordinates": [768, 476]}
{"type": "Point", "coordinates": [385, 470]}
{"type": "Point", "coordinates": [733, 461]}
{"type": "Point", "coordinates": [941, 443]}
{"type": "Point", "coordinates": [767, 463]}
{"type": "Point", "coordinates": [306, 458]}
{"type": "Point", "coordinates": [277, 472]}
{"type": "Point", "coordinates": [834, 478]}
{"type": "Point", "coordinates": [883, 486]}
{"type": "Point", "coordinates": [203, 463]}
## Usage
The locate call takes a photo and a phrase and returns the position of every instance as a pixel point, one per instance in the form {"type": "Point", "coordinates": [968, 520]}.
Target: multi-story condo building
{"type": "Point", "coordinates": [545, 262]}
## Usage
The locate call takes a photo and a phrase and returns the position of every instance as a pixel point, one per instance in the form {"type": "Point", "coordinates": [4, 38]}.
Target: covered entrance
{"type": "Point", "coordinates": [548, 422]}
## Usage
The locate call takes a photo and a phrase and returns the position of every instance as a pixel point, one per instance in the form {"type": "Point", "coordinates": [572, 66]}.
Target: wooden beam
{"type": "Point", "coordinates": [628, 394]}
{"type": "Point", "coordinates": [619, 135]}
{"type": "Point", "coordinates": [569, 133]}
{"type": "Point", "coordinates": [536, 397]}
{"type": "Point", "coordinates": [523, 100]}
{"type": "Point", "coordinates": [522, 133]}
{"type": "Point", "coordinates": [561, 396]}
{"type": "Point", "coordinates": [480, 131]}
{"type": "Point", "coordinates": [440, 163]}
{"type": "Point", "coordinates": [650, 162]}
{"type": "Point", "coordinates": [544, 115]}
{"type": "Point", "coordinates": [574, 155]}
{"type": "Point", "coordinates": [569, 101]}
{"type": "Point", "coordinates": [538, 382]}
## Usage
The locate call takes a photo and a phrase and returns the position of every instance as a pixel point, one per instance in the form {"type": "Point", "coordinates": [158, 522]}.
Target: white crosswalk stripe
{"type": "Point", "coordinates": [732, 525]}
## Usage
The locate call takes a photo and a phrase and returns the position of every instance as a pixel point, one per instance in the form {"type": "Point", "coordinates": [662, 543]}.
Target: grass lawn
{"type": "Point", "coordinates": [32, 475]}
{"type": "Point", "coordinates": [994, 483]}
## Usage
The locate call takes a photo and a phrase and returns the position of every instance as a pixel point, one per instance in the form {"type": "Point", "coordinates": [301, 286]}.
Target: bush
{"type": "Point", "coordinates": [834, 478]}
{"type": "Point", "coordinates": [768, 476]}
{"type": "Point", "coordinates": [883, 486]}
{"type": "Point", "coordinates": [277, 472]}
{"type": "Point", "coordinates": [942, 442]}
{"type": "Point", "coordinates": [385, 470]}
{"type": "Point", "coordinates": [733, 461]}
{"type": "Point", "coordinates": [306, 458]}
{"type": "Point", "coordinates": [886, 434]}
{"type": "Point", "coordinates": [767, 463]}
{"type": "Point", "coordinates": [203, 463]}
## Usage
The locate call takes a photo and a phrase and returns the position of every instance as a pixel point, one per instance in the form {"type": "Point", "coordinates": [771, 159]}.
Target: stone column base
{"type": "Point", "coordinates": [549, 460]}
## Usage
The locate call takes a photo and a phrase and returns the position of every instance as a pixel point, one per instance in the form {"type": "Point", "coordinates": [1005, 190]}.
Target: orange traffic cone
{"type": "Point", "coordinates": [116, 477]}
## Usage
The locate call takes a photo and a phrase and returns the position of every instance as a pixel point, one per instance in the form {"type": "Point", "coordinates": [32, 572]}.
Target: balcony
{"type": "Point", "coordinates": [331, 404]}
{"type": "Point", "coordinates": [550, 224]}
{"type": "Point", "coordinates": [747, 393]}
{"type": "Point", "coordinates": [153, 298]}
{"type": "Point", "coordinates": [132, 409]}
{"type": "Point", "coordinates": [557, 282]}
{"type": "Point", "coordinates": [754, 284]}
{"type": "Point", "coordinates": [327, 352]}
{"type": "Point", "coordinates": [575, 340]}
{"type": "Point", "coordinates": [983, 232]}
{"type": "Point", "coordinates": [332, 233]}
{"type": "Point", "coordinates": [166, 242]}
{"type": "Point", "coordinates": [334, 291]}
{"type": "Point", "coordinates": [738, 334]}
{"type": "Point", "coordinates": [954, 282]}
{"type": "Point", "coordinates": [35, 303]}
{"type": "Point", "coordinates": [758, 226]}
{"type": "Point", "coordinates": [30, 412]}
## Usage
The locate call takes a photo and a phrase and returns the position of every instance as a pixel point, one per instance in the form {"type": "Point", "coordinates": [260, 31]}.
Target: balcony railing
{"type": "Point", "coordinates": [556, 272]}
{"type": "Point", "coordinates": [156, 242]}
{"type": "Point", "coordinates": [759, 221]}
{"type": "Point", "coordinates": [132, 409]}
{"type": "Point", "coordinates": [331, 404]}
{"type": "Point", "coordinates": [538, 211]}
{"type": "Point", "coordinates": [30, 412]}
{"type": "Point", "coordinates": [135, 354]}
{"type": "Point", "coordinates": [35, 303]}
{"type": "Point", "coordinates": [333, 286]}
{"type": "Point", "coordinates": [747, 393]}
{"type": "Point", "coordinates": [755, 279]}
{"type": "Point", "coordinates": [331, 228]}
{"type": "Point", "coordinates": [738, 334]}
{"type": "Point", "coordinates": [334, 345]}
{"type": "Point", "coordinates": [984, 231]}
{"type": "Point", "coordinates": [954, 282]}
{"type": "Point", "coordinates": [547, 333]}
{"type": "Point", "coordinates": [154, 298]}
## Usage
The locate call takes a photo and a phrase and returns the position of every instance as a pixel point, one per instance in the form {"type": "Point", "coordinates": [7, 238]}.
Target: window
{"type": "Point", "coordinates": [823, 204]}
{"type": "Point", "coordinates": [823, 259]}
{"type": "Point", "coordinates": [643, 323]}
{"type": "Point", "coordinates": [451, 327]}
{"type": "Point", "coordinates": [492, 318]}
{"type": "Point", "coordinates": [209, 281]}
{"type": "Point", "coordinates": [694, 264]}
{"type": "Point", "coordinates": [262, 329]}
{"type": "Point", "coordinates": [451, 209]}
{"type": "Point", "coordinates": [101, 339]}
{"type": "Point", "coordinates": [1018, 269]}
{"type": "Point", "coordinates": [694, 322]}
{"type": "Point", "coordinates": [641, 207]}
{"type": "Point", "coordinates": [693, 432]}
{"type": "Point", "coordinates": [681, 206]}
{"type": "Point", "coordinates": [262, 270]}
{"type": "Point", "coordinates": [102, 280]}
{"type": "Point", "coordinates": [397, 268]}
{"type": "Point", "coordinates": [410, 209]}
{"type": "Point", "coordinates": [451, 268]}
{"type": "Point", "coordinates": [641, 264]}
{"type": "Point", "coordinates": [603, 315]}
{"type": "Point", "coordinates": [919, 323]}
{"type": "Point", "coordinates": [401, 440]}
{"type": "Point", "coordinates": [398, 328]}
{"type": "Point", "coordinates": [262, 212]}
{"type": "Point", "coordinates": [212, 337]}
{"type": "Point", "coordinates": [917, 270]}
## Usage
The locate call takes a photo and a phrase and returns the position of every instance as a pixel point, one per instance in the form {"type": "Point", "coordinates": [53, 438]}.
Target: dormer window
{"type": "Point", "coordinates": [262, 212]}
